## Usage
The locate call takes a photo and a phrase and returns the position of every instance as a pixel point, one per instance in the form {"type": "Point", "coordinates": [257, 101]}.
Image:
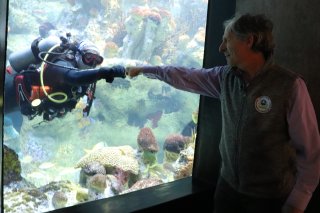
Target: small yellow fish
{"type": "Point", "coordinates": [81, 104]}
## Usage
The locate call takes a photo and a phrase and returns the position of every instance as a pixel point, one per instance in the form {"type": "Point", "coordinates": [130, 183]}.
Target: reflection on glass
{"type": "Point", "coordinates": [139, 132]}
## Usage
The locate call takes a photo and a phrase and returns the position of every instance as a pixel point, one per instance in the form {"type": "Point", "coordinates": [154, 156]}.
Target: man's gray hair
{"type": "Point", "coordinates": [258, 26]}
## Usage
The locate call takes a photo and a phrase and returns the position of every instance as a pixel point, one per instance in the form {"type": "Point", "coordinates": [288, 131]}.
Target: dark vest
{"type": "Point", "coordinates": [257, 158]}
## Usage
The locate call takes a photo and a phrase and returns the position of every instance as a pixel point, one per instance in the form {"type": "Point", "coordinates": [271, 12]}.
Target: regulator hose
{"type": "Point", "coordinates": [52, 95]}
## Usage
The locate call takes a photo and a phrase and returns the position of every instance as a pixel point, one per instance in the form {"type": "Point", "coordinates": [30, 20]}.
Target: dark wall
{"type": "Point", "coordinates": [297, 37]}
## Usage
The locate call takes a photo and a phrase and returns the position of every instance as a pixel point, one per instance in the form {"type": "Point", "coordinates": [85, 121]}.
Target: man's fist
{"type": "Point", "coordinates": [133, 71]}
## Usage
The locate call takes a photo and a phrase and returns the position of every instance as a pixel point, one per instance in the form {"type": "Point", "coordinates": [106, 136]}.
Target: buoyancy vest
{"type": "Point", "coordinates": [28, 88]}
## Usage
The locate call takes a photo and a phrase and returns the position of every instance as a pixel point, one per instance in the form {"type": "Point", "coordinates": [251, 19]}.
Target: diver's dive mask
{"type": "Point", "coordinates": [89, 53]}
{"type": "Point", "coordinates": [91, 59]}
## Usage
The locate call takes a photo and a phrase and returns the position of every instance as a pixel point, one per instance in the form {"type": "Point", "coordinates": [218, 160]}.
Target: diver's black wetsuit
{"type": "Point", "coordinates": [63, 79]}
{"type": "Point", "coordinates": [61, 76]}
{"type": "Point", "coordinates": [58, 75]}
{"type": "Point", "coordinates": [54, 88]}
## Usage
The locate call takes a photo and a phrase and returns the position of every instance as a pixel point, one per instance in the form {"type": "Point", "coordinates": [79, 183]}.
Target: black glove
{"type": "Point", "coordinates": [114, 72]}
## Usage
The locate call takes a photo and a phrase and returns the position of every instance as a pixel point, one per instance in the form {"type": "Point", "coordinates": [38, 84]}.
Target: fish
{"type": "Point", "coordinates": [95, 147]}
{"type": "Point", "coordinates": [82, 103]}
{"type": "Point", "coordinates": [46, 165]}
{"type": "Point", "coordinates": [36, 175]}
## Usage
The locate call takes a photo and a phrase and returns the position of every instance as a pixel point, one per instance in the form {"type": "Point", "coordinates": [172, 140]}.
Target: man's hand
{"type": "Point", "coordinates": [290, 209]}
{"type": "Point", "coordinates": [133, 71]}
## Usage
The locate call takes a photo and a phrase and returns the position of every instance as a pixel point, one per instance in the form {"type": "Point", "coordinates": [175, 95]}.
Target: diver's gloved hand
{"type": "Point", "coordinates": [109, 73]}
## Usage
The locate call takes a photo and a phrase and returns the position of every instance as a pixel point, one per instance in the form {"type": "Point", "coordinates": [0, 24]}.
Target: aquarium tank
{"type": "Point", "coordinates": [138, 133]}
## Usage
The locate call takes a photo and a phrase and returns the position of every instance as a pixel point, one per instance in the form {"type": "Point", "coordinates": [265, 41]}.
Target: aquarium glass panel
{"type": "Point", "coordinates": [66, 144]}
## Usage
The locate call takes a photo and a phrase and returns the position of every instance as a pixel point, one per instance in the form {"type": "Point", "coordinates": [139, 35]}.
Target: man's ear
{"type": "Point", "coordinates": [250, 40]}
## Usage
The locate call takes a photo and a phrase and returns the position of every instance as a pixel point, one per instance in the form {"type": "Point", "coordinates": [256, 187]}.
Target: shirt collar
{"type": "Point", "coordinates": [269, 62]}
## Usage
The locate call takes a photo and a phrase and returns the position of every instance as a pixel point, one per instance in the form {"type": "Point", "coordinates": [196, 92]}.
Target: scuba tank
{"type": "Point", "coordinates": [34, 97]}
{"type": "Point", "coordinates": [21, 60]}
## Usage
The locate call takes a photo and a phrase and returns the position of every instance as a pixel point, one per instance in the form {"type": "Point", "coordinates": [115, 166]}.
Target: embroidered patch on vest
{"type": "Point", "coordinates": [263, 104]}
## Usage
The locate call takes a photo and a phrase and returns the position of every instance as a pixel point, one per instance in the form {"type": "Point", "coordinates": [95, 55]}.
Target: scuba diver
{"type": "Point", "coordinates": [49, 78]}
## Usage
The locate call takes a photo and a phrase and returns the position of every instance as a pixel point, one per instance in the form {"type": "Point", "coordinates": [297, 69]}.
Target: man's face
{"type": "Point", "coordinates": [234, 49]}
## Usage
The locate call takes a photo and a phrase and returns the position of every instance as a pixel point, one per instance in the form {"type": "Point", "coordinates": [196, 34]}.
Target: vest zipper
{"type": "Point", "coordinates": [238, 133]}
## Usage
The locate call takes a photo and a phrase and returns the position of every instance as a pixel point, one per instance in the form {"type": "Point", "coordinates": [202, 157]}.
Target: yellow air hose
{"type": "Point", "coordinates": [52, 95]}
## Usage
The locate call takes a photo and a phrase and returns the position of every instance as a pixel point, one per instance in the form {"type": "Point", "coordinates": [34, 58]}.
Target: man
{"type": "Point", "coordinates": [270, 143]}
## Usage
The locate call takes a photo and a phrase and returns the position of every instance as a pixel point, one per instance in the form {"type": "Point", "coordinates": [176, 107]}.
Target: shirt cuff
{"type": "Point", "coordinates": [298, 199]}
{"type": "Point", "coordinates": [150, 72]}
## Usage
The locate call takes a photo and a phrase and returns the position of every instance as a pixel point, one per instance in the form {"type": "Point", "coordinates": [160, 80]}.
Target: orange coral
{"type": "Point", "coordinates": [147, 141]}
{"type": "Point", "coordinates": [147, 13]}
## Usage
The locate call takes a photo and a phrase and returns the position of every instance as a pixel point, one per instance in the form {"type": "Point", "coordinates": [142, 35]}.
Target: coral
{"type": "Point", "coordinates": [174, 143]}
{"type": "Point", "coordinates": [148, 30]}
{"type": "Point", "coordinates": [157, 171]}
{"type": "Point", "coordinates": [147, 141]}
{"type": "Point", "coordinates": [191, 141]}
{"type": "Point", "coordinates": [89, 170]}
{"type": "Point", "coordinates": [23, 200]}
{"type": "Point", "coordinates": [94, 168]}
{"type": "Point", "coordinates": [97, 183]}
{"type": "Point", "coordinates": [82, 195]}
{"type": "Point", "coordinates": [115, 183]}
{"type": "Point", "coordinates": [121, 176]}
{"type": "Point", "coordinates": [73, 192]}
{"type": "Point", "coordinates": [170, 156]}
{"type": "Point", "coordinates": [59, 200]}
{"type": "Point", "coordinates": [143, 183]}
{"type": "Point", "coordinates": [11, 166]}
{"type": "Point", "coordinates": [146, 12]}
{"type": "Point", "coordinates": [149, 158]}
{"type": "Point", "coordinates": [121, 157]}
{"type": "Point", "coordinates": [58, 186]}
{"type": "Point", "coordinates": [184, 164]}
{"type": "Point", "coordinates": [184, 171]}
